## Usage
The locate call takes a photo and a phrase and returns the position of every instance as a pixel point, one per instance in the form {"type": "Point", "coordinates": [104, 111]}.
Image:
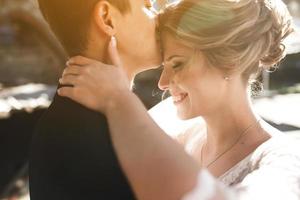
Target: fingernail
{"type": "Point", "coordinates": [113, 41]}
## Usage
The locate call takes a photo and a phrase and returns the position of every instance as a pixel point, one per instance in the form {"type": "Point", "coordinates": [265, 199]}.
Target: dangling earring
{"type": "Point", "coordinates": [226, 78]}
{"type": "Point", "coordinates": [113, 41]}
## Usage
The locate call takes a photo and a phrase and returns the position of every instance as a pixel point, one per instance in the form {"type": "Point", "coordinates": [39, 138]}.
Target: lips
{"type": "Point", "coordinates": [178, 98]}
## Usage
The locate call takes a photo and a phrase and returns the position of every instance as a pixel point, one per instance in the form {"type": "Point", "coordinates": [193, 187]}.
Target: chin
{"type": "Point", "coordinates": [154, 63]}
{"type": "Point", "coordinates": [185, 115]}
{"type": "Point", "coordinates": [147, 64]}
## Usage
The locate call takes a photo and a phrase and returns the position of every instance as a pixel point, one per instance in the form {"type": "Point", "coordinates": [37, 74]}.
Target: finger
{"type": "Point", "coordinates": [113, 52]}
{"type": "Point", "coordinates": [66, 92]}
{"type": "Point", "coordinates": [72, 70]}
{"type": "Point", "coordinates": [69, 80]}
{"type": "Point", "coordinates": [79, 60]}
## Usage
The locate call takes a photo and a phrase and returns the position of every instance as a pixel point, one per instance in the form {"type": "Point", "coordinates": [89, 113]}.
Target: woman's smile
{"type": "Point", "coordinates": [179, 98]}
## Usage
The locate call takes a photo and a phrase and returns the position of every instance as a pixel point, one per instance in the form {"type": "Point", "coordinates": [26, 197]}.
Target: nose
{"type": "Point", "coordinates": [164, 80]}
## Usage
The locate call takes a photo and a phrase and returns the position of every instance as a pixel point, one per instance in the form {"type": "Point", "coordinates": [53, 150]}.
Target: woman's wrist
{"type": "Point", "coordinates": [117, 100]}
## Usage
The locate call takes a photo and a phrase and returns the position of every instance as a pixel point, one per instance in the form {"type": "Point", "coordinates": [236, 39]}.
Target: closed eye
{"type": "Point", "coordinates": [175, 64]}
{"type": "Point", "coordinates": [178, 65]}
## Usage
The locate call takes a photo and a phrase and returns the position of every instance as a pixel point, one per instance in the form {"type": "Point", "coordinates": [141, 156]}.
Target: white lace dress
{"type": "Point", "coordinates": [271, 172]}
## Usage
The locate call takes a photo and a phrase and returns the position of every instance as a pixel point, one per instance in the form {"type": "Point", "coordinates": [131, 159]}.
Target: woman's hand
{"type": "Point", "coordinates": [93, 84]}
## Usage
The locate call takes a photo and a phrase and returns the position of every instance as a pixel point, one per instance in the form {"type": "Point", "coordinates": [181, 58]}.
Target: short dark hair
{"type": "Point", "coordinates": [70, 20]}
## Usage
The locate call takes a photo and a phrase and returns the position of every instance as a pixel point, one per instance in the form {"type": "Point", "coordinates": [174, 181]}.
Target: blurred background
{"type": "Point", "coordinates": [31, 61]}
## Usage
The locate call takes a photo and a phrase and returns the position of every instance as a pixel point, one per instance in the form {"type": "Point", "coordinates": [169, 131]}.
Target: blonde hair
{"type": "Point", "coordinates": [245, 35]}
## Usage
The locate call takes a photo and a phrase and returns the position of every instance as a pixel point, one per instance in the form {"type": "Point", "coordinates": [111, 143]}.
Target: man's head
{"type": "Point", "coordinates": [84, 27]}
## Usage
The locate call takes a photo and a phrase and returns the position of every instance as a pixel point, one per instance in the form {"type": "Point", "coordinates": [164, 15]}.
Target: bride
{"type": "Point", "coordinates": [213, 50]}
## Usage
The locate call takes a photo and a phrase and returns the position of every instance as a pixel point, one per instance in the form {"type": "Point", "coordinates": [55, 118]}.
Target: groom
{"type": "Point", "coordinates": [72, 157]}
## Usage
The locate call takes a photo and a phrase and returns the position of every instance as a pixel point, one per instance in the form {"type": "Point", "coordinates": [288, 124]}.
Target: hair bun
{"type": "Point", "coordinates": [275, 55]}
{"type": "Point", "coordinates": [281, 28]}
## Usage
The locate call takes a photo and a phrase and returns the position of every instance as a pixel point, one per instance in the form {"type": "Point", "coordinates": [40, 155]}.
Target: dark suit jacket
{"type": "Point", "coordinates": [72, 156]}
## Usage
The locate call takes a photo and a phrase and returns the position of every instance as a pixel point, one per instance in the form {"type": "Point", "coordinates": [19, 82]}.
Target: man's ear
{"type": "Point", "coordinates": [105, 17]}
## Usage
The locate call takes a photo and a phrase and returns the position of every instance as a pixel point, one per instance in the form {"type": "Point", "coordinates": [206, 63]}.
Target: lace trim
{"type": "Point", "coordinates": [237, 173]}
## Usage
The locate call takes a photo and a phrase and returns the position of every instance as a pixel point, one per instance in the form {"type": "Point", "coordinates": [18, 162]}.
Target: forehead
{"type": "Point", "coordinates": [172, 46]}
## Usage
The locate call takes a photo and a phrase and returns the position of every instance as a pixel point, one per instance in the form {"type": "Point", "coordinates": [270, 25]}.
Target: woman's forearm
{"type": "Point", "coordinates": [156, 166]}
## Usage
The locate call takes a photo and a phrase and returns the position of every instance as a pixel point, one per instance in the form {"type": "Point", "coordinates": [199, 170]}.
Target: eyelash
{"type": "Point", "coordinates": [177, 66]}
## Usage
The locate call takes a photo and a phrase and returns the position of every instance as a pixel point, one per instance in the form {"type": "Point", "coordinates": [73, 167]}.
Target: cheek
{"type": "Point", "coordinates": [146, 33]}
{"type": "Point", "coordinates": [130, 40]}
{"type": "Point", "coordinates": [142, 31]}
{"type": "Point", "coordinates": [124, 37]}
{"type": "Point", "coordinates": [204, 96]}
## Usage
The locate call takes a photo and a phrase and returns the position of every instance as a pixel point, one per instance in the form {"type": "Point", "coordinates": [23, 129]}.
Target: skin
{"type": "Point", "coordinates": [192, 83]}
{"type": "Point", "coordinates": [137, 54]}
{"type": "Point", "coordinates": [155, 165]}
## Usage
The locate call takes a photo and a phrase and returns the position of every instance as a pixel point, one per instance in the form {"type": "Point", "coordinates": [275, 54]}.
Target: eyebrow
{"type": "Point", "coordinates": [173, 56]}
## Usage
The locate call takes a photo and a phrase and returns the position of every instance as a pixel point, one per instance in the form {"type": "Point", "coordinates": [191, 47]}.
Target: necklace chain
{"type": "Point", "coordinates": [230, 147]}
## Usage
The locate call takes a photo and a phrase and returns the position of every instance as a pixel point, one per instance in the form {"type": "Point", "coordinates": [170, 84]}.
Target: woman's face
{"type": "Point", "coordinates": [197, 89]}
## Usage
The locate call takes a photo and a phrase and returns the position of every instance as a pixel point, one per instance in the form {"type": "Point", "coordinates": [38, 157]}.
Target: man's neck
{"type": "Point", "coordinates": [97, 53]}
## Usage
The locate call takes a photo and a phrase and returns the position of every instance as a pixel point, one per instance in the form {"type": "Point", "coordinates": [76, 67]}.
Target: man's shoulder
{"type": "Point", "coordinates": [64, 113]}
